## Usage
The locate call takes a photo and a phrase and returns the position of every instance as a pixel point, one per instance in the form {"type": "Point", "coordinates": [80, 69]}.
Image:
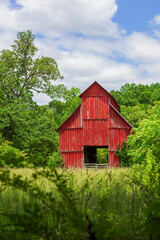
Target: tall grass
{"type": "Point", "coordinates": [71, 204]}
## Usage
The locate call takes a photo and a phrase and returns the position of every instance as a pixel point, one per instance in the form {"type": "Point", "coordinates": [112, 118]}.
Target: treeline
{"type": "Point", "coordinates": [136, 101]}
{"type": "Point", "coordinates": [132, 94]}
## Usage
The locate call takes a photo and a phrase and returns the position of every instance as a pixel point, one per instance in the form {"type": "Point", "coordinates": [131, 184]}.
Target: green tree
{"type": "Point", "coordinates": [134, 114]}
{"type": "Point", "coordinates": [146, 136]}
{"type": "Point", "coordinates": [28, 126]}
{"type": "Point", "coordinates": [63, 109]}
{"type": "Point", "coordinates": [9, 155]}
{"type": "Point", "coordinates": [155, 95]}
{"type": "Point", "coordinates": [22, 73]}
{"type": "Point", "coordinates": [132, 94]}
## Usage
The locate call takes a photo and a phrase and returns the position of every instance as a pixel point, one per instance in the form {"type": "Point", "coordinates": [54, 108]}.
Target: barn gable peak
{"type": "Point", "coordinates": [96, 89]}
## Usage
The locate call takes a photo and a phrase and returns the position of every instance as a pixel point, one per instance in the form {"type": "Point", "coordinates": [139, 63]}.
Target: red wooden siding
{"type": "Point", "coordinates": [95, 107]}
{"type": "Point", "coordinates": [95, 123]}
{"type": "Point", "coordinates": [71, 140]}
{"type": "Point", "coordinates": [75, 121]}
{"type": "Point", "coordinates": [95, 90]}
{"type": "Point", "coordinates": [95, 132]}
{"type": "Point", "coordinates": [117, 136]}
{"type": "Point", "coordinates": [113, 159]}
{"type": "Point", "coordinates": [73, 159]}
{"type": "Point", "coordinates": [116, 120]}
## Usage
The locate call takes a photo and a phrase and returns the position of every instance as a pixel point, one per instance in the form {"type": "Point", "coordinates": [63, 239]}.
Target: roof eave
{"type": "Point", "coordinates": [121, 116]}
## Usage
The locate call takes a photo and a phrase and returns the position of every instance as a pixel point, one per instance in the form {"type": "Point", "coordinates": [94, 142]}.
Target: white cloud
{"type": "Point", "coordinates": [84, 40]}
{"type": "Point", "coordinates": [81, 69]}
{"type": "Point", "coordinates": [140, 47]}
{"type": "Point", "coordinates": [156, 20]}
{"type": "Point", "coordinates": [58, 17]}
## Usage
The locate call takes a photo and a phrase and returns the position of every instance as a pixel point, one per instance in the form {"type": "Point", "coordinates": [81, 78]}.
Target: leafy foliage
{"type": "Point", "coordinates": [132, 94]}
{"type": "Point", "coordinates": [55, 160]}
{"type": "Point", "coordinates": [122, 153]}
{"type": "Point", "coordinates": [29, 127]}
{"type": "Point", "coordinates": [56, 205]}
{"type": "Point", "coordinates": [147, 175]}
{"type": "Point", "coordinates": [136, 101]}
{"type": "Point", "coordinates": [153, 216]}
{"type": "Point", "coordinates": [135, 114]}
{"type": "Point", "coordinates": [146, 136]}
{"type": "Point", "coordinates": [102, 155]}
{"type": "Point", "coordinates": [10, 156]}
{"type": "Point", "coordinates": [21, 72]}
{"type": "Point", "coordinates": [63, 109]}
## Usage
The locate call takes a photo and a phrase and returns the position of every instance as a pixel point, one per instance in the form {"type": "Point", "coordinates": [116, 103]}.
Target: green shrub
{"type": "Point", "coordinates": [146, 136]}
{"type": "Point", "coordinates": [153, 220]}
{"type": "Point", "coordinates": [36, 160]}
{"type": "Point", "coordinates": [122, 153]}
{"type": "Point", "coordinates": [146, 175]}
{"type": "Point", "coordinates": [11, 156]}
{"type": "Point", "coordinates": [54, 160]}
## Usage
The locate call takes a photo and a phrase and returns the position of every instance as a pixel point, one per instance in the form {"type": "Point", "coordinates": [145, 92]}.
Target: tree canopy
{"type": "Point", "coordinates": [136, 100]}
{"type": "Point", "coordinates": [22, 73]}
{"type": "Point", "coordinates": [146, 136]}
{"type": "Point", "coordinates": [132, 94]}
{"type": "Point", "coordinates": [29, 127]}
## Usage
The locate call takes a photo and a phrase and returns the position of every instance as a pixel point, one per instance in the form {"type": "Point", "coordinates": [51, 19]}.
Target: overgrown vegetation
{"type": "Point", "coordinates": [77, 204]}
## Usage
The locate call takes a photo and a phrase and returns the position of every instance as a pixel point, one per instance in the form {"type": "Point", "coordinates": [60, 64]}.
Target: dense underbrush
{"type": "Point", "coordinates": [76, 204]}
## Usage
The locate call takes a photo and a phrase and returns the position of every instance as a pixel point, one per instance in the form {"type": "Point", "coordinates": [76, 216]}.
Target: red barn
{"type": "Point", "coordinates": [96, 123]}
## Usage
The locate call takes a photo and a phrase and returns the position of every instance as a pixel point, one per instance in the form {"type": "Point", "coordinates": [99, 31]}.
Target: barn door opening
{"type": "Point", "coordinates": [95, 154]}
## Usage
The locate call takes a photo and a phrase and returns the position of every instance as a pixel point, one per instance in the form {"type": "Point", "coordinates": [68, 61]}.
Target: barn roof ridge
{"type": "Point", "coordinates": [121, 115]}
{"type": "Point", "coordinates": [102, 88]}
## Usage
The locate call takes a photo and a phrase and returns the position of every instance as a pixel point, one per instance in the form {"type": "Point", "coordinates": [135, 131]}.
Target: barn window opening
{"type": "Point", "coordinates": [96, 154]}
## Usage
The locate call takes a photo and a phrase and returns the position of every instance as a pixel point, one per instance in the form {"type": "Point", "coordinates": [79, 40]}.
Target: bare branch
{"type": "Point", "coordinates": [36, 90]}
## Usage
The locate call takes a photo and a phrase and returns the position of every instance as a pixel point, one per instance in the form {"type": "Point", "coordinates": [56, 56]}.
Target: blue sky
{"type": "Point", "coordinates": [134, 15]}
{"type": "Point", "coordinates": [110, 41]}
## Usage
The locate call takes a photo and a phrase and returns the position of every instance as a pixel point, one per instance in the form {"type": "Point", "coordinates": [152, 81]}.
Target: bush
{"type": "Point", "coordinates": [55, 160]}
{"type": "Point", "coordinates": [36, 159]}
{"type": "Point", "coordinates": [11, 156]}
{"type": "Point", "coordinates": [146, 175]}
{"type": "Point", "coordinates": [122, 153]}
{"type": "Point", "coordinates": [153, 215]}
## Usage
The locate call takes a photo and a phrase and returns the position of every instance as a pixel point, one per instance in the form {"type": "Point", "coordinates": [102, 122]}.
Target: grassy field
{"type": "Point", "coordinates": [72, 204]}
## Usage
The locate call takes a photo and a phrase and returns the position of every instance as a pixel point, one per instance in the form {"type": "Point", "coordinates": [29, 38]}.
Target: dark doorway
{"type": "Point", "coordinates": [95, 154]}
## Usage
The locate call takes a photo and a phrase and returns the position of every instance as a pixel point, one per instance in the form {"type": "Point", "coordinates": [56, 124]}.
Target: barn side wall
{"type": "Point", "coordinates": [71, 140]}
